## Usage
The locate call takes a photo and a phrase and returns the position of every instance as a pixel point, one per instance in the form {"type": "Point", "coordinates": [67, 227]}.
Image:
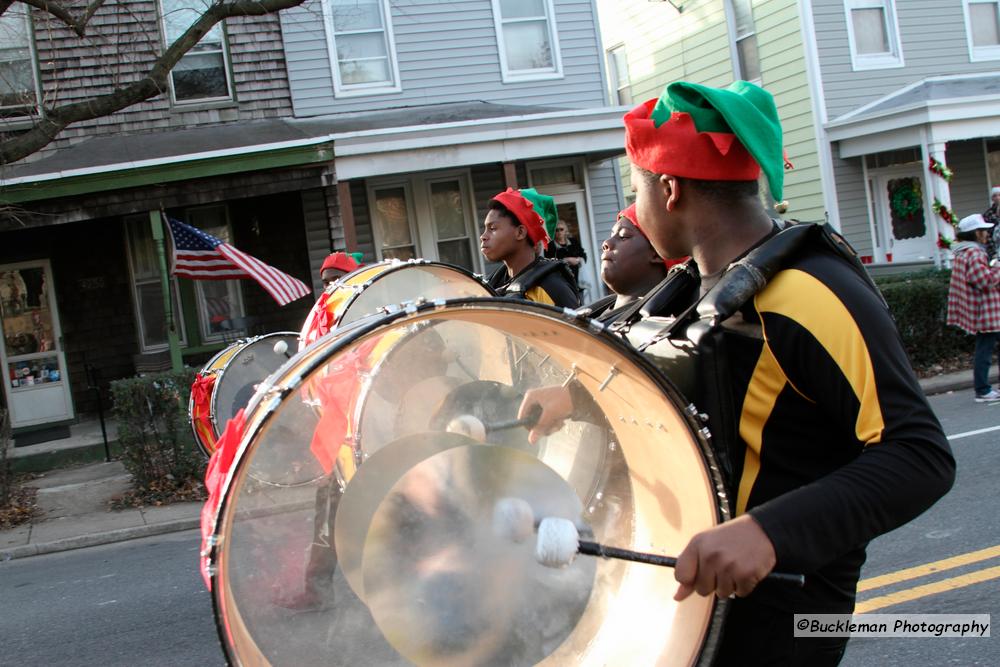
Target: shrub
{"type": "Point", "coordinates": [153, 427]}
{"type": "Point", "coordinates": [919, 303]}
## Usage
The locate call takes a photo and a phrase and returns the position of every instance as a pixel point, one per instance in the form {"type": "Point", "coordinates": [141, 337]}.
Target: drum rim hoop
{"type": "Point", "coordinates": [564, 315]}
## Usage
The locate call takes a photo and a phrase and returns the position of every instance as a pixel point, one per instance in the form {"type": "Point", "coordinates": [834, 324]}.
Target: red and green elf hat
{"type": "Point", "coordinates": [524, 210]}
{"type": "Point", "coordinates": [710, 134]}
{"type": "Point", "coordinates": [340, 261]}
{"type": "Point", "coordinates": [545, 206]}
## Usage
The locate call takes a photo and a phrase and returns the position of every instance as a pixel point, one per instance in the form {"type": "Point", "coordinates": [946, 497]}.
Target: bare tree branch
{"type": "Point", "coordinates": [55, 120]}
{"type": "Point", "coordinates": [78, 25]}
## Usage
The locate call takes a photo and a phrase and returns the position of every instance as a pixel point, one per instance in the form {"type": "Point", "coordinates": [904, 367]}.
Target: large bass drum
{"type": "Point", "coordinates": [376, 287]}
{"type": "Point", "coordinates": [228, 381]}
{"type": "Point", "coordinates": [423, 577]}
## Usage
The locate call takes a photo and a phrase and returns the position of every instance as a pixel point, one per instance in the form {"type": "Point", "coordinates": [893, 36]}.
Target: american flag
{"type": "Point", "coordinates": [201, 256]}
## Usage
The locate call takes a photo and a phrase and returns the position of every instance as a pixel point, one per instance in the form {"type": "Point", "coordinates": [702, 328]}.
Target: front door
{"type": "Point", "coordinates": [35, 382]}
{"type": "Point", "coordinates": [572, 210]}
{"type": "Point", "coordinates": [905, 231]}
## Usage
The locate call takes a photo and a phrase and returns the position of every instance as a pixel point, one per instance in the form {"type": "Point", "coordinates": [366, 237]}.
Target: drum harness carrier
{"type": "Point", "coordinates": [698, 321]}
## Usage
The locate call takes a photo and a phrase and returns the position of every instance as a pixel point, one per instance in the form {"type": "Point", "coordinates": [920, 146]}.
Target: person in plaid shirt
{"type": "Point", "coordinates": [974, 299]}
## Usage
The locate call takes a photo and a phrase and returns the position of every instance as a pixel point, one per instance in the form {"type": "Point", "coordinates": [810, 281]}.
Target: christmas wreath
{"type": "Point", "coordinates": [906, 202]}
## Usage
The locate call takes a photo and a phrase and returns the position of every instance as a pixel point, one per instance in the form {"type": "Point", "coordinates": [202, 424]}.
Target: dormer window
{"type": "Point", "coordinates": [202, 74]}
{"type": "Point", "coordinates": [361, 47]}
{"type": "Point", "coordinates": [18, 87]}
{"type": "Point", "coordinates": [873, 33]}
{"type": "Point", "coordinates": [527, 40]}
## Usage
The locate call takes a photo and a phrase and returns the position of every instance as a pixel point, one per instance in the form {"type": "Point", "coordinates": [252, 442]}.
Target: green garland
{"type": "Point", "coordinates": [941, 170]}
{"type": "Point", "coordinates": [946, 213]}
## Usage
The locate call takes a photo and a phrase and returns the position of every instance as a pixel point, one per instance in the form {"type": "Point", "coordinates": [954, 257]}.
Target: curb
{"type": "Point", "coordinates": [93, 540]}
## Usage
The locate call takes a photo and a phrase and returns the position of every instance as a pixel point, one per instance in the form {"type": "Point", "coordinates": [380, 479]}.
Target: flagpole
{"type": "Point", "coordinates": [173, 340]}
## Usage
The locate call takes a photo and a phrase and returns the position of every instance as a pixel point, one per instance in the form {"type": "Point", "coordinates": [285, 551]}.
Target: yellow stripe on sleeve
{"type": "Point", "coordinates": [802, 298]}
{"type": "Point", "coordinates": [538, 295]}
{"type": "Point", "coordinates": [765, 386]}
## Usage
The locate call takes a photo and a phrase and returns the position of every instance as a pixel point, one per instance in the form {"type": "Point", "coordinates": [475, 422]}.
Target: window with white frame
{"type": "Point", "coordinates": [744, 40]}
{"type": "Point", "coordinates": [202, 74]}
{"type": "Point", "coordinates": [618, 73]}
{"type": "Point", "coordinates": [147, 290]}
{"type": "Point", "coordinates": [361, 46]}
{"type": "Point", "coordinates": [217, 300]}
{"type": "Point", "coordinates": [873, 33]}
{"type": "Point", "coordinates": [18, 90]}
{"type": "Point", "coordinates": [982, 20]}
{"type": "Point", "coordinates": [527, 39]}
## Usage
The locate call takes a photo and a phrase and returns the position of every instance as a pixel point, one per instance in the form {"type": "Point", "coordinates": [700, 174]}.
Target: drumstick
{"type": "Point", "coordinates": [559, 542]}
{"type": "Point", "coordinates": [281, 347]}
{"type": "Point", "coordinates": [477, 430]}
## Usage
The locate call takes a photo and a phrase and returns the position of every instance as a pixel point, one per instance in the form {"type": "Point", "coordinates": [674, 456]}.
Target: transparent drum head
{"type": "Point", "coordinates": [243, 371]}
{"type": "Point", "coordinates": [397, 540]}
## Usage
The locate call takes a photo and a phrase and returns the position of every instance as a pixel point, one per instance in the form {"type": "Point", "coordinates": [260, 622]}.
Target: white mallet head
{"type": "Point", "coordinates": [280, 347]}
{"type": "Point", "coordinates": [558, 541]}
{"type": "Point", "coordinates": [468, 425]}
{"type": "Point", "coordinates": [513, 519]}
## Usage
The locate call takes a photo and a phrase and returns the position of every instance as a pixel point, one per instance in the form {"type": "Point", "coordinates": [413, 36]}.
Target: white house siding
{"type": "Point", "coordinates": [933, 37]}
{"type": "Point", "coordinates": [970, 187]}
{"type": "Point", "coordinates": [606, 200]}
{"type": "Point", "coordinates": [853, 201]}
{"type": "Point", "coordinates": [447, 52]}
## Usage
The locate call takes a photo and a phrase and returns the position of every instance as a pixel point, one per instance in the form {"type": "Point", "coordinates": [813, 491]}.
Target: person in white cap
{"type": "Point", "coordinates": [974, 299]}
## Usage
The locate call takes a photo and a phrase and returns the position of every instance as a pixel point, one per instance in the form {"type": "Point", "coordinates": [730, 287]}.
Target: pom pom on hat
{"type": "Point", "coordinates": [524, 210]}
{"type": "Point", "coordinates": [340, 261]}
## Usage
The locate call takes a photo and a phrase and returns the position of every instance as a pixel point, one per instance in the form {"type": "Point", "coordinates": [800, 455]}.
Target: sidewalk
{"type": "Point", "coordinates": [73, 502]}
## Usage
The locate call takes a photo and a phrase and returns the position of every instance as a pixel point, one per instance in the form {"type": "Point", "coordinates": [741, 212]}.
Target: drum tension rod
{"type": "Point", "coordinates": [612, 372]}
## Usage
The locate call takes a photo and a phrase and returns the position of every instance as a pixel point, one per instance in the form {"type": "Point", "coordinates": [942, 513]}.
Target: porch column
{"type": "Point", "coordinates": [173, 340]}
{"type": "Point", "coordinates": [510, 175]}
{"type": "Point", "coordinates": [347, 216]}
{"type": "Point", "coordinates": [937, 188]}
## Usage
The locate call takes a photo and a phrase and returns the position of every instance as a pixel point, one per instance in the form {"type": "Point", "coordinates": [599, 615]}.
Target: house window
{"type": "Point", "coordinates": [873, 34]}
{"type": "Point", "coordinates": [527, 39]}
{"type": "Point", "coordinates": [147, 292]}
{"type": "Point", "coordinates": [18, 91]}
{"type": "Point", "coordinates": [392, 222]}
{"type": "Point", "coordinates": [362, 48]}
{"type": "Point", "coordinates": [744, 36]}
{"type": "Point", "coordinates": [202, 74]}
{"type": "Point", "coordinates": [217, 300]}
{"type": "Point", "coordinates": [618, 73]}
{"type": "Point", "coordinates": [982, 20]}
{"type": "Point", "coordinates": [450, 213]}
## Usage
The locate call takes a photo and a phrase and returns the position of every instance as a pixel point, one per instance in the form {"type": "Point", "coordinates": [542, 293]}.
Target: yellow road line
{"type": "Point", "coordinates": [916, 592]}
{"type": "Point", "coordinates": [928, 568]}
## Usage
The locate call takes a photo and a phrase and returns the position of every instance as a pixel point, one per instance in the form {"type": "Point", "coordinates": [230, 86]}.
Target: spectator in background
{"type": "Point", "coordinates": [566, 248]}
{"type": "Point", "coordinates": [974, 299]}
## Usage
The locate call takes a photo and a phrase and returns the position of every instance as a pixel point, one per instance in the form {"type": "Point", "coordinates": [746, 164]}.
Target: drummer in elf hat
{"type": "Point", "coordinates": [513, 233]}
{"type": "Point", "coordinates": [336, 265]}
{"type": "Point", "coordinates": [833, 441]}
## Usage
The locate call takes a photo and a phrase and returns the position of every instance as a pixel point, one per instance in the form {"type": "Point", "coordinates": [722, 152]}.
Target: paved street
{"type": "Point", "coordinates": [126, 604]}
{"type": "Point", "coordinates": [142, 602]}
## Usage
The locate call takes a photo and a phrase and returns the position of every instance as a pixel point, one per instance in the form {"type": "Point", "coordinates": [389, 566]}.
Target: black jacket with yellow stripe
{"type": "Point", "coordinates": [836, 441]}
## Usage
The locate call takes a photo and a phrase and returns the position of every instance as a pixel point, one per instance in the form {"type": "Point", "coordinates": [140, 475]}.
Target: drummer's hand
{"type": "Point", "coordinates": [557, 405]}
{"type": "Point", "coordinates": [729, 559]}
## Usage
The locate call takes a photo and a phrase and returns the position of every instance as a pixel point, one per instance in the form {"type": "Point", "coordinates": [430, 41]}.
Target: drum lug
{"type": "Point", "coordinates": [612, 372]}
{"type": "Point", "coordinates": [692, 410]}
{"type": "Point", "coordinates": [705, 432]}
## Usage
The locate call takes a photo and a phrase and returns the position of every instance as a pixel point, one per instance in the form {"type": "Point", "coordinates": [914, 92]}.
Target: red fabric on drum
{"type": "Point", "coordinates": [201, 405]}
{"type": "Point", "coordinates": [337, 391]}
{"type": "Point", "coordinates": [215, 475]}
